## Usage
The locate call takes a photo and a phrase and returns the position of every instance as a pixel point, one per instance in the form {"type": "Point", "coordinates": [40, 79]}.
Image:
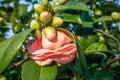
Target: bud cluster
{"type": "Point", "coordinates": [44, 19]}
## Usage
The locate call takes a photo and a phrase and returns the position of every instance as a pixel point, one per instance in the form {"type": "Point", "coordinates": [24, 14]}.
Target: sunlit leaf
{"type": "Point", "coordinates": [70, 18]}
{"type": "Point", "coordinates": [85, 24]}
{"type": "Point", "coordinates": [31, 71]}
{"type": "Point", "coordinates": [96, 46]}
{"type": "Point", "coordinates": [87, 41]}
{"type": "Point", "coordinates": [103, 18]}
{"type": "Point", "coordinates": [76, 5]}
{"type": "Point", "coordinates": [9, 47]}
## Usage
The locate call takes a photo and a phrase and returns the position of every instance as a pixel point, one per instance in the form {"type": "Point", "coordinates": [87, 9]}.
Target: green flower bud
{"type": "Point", "coordinates": [2, 77]}
{"type": "Point", "coordinates": [45, 17]}
{"type": "Point", "coordinates": [39, 8]}
{"type": "Point", "coordinates": [57, 21]}
{"type": "Point", "coordinates": [115, 16]}
{"type": "Point", "coordinates": [44, 2]}
{"type": "Point", "coordinates": [17, 27]}
{"type": "Point", "coordinates": [50, 33]}
{"type": "Point", "coordinates": [101, 39]}
{"type": "Point", "coordinates": [93, 7]}
{"type": "Point", "coordinates": [36, 16]}
{"type": "Point", "coordinates": [98, 12]}
{"type": "Point", "coordinates": [1, 19]}
{"type": "Point", "coordinates": [34, 25]}
{"type": "Point", "coordinates": [37, 34]}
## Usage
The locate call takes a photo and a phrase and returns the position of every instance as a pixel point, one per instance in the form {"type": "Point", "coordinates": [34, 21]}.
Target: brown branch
{"type": "Point", "coordinates": [112, 61]}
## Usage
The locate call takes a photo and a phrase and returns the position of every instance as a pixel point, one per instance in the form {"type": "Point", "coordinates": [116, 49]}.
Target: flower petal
{"type": "Point", "coordinates": [33, 45]}
{"type": "Point", "coordinates": [60, 53]}
{"type": "Point", "coordinates": [64, 60]}
{"type": "Point", "coordinates": [60, 39]}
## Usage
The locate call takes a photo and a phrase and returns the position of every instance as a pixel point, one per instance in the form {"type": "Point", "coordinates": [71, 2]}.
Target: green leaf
{"type": "Point", "coordinates": [110, 7]}
{"type": "Point", "coordinates": [85, 42]}
{"type": "Point", "coordinates": [103, 18]}
{"type": "Point", "coordinates": [35, 72]}
{"type": "Point", "coordinates": [99, 75]}
{"type": "Point", "coordinates": [48, 72]}
{"type": "Point", "coordinates": [1, 39]}
{"type": "Point", "coordinates": [76, 5]}
{"type": "Point", "coordinates": [85, 24]}
{"type": "Point", "coordinates": [22, 9]}
{"type": "Point", "coordinates": [103, 75]}
{"type": "Point", "coordinates": [30, 70]}
{"type": "Point", "coordinates": [81, 56]}
{"type": "Point", "coordinates": [70, 18]}
{"type": "Point", "coordinates": [9, 47]}
{"type": "Point", "coordinates": [96, 47]}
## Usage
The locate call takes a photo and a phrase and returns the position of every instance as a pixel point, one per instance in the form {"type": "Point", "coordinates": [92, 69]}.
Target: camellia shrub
{"type": "Point", "coordinates": [60, 40]}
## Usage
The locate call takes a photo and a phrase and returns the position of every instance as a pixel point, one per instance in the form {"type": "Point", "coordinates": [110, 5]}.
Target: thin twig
{"type": "Point", "coordinates": [113, 60]}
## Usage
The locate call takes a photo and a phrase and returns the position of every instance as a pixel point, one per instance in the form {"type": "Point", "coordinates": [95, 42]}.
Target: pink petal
{"type": "Point", "coordinates": [44, 62]}
{"type": "Point", "coordinates": [60, 40]}
{"type": "Point", "coordinates": [64, 60]}
{"type": "Point", "coordinates": [66, 50]}
{"type": "Point", "coordinates": [34, 45]}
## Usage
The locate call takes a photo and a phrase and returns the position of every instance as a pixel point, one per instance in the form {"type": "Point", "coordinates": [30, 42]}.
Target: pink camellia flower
{"type": "Point", "coordinates": [60, 50]}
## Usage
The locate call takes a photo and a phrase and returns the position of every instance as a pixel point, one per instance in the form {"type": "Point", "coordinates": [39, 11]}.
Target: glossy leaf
{"type": "Point", "coordinates": [99, 75]}
{"type": "Point", "coordinates": [87, 41]}
{"type": "Point", "coordinates": [104, 18]}
{"type": "Point", "coordinates": [81, 56]}
{"type": "Point", "coordinates": [71, 18]}
{"type": "Point", "coordinates": [76, 5]}
{"type": "Point", "coordinates": [9, 47]}
{"type": "Point", "coordinates": [96, 46]}
{"type": "Point", "coordinates": [31, 71]}
{"type": "Point", "coordinates": [85, 24]}
{"type": "Point", "coordinates": [103, 75]}
{"type": "Point", "coordinates": [110, 7]}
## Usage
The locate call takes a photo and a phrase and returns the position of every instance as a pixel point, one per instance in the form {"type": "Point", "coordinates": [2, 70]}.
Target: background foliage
{"type": "Point", "coordinates": [96, 34]}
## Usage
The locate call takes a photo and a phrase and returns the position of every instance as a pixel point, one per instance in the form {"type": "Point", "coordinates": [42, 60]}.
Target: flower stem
{"type": "Point", "coordinates": [105, 26]}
